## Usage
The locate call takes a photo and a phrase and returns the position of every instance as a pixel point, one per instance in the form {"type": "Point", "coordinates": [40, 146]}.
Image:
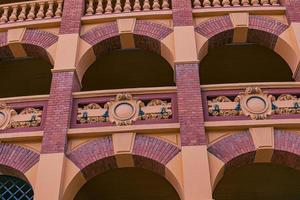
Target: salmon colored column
{"type": "Point", "coordinates": [196, 175]}
{"type": "Point", "coordinates": [64, 81]}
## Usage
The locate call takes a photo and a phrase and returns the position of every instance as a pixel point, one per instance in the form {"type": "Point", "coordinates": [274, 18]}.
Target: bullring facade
{"type": "Point", "coordinates": [149, 99]}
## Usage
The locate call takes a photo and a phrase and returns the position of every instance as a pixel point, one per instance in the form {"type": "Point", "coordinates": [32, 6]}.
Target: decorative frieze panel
{"type": "Point", "coordinates": [124, 110]}
{"type": "Point", "coordinates": [11, 118]}
{"type": "Point", "coordinates": [255, 104]}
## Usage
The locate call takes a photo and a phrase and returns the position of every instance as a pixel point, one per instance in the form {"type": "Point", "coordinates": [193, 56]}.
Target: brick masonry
{"type": "Point", "coordinates": [17, 157]}
{"type": "Point", "coordinates": [59, 111]}
{"type": "Point", "coordinates": [232, 146]}
{"type": "Point", "coordinates": [238, 149]}
{"type": "Point", "coordinates": [293, 9]}
{"type": "Point", "coordinates": [264, 31]}
{"type": "Point", "coordinates": [218, 31]}
{"type": "Point", "coordinates": [106, 38]}
{"type": "Point", "coordinates": [97, 156]}
{"type": "Point", "coordinates": [287, 149]}
{"type": "Point", "coordinates": [71, 17]}
{"type": "Point", "coordinates": [190, 109]}
{"type": "Point", "coordinates": [182, 13]}
{"type": "Point", "coordinates": [35, 42]}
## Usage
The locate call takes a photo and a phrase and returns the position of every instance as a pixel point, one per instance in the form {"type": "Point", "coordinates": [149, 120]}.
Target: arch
{"type": "Point", "coordinates": [97, 156]}
{"type": "Point", "coordinates": [16, 160]}
{"type": "Point", "coordinates": [264, 31]}
{"type": "Point", "coordinates": [107, 38]}
{"type": "Point", "coordinates": [239, 150]}
{"type": "Point", "coordinates": [34, 42]}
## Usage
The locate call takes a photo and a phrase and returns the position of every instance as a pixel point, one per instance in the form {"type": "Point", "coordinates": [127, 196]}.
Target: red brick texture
{"type": "Point", "coordinates": [262, 30]}
{"type": "Point", "coordinates": [238, 149]}
{"type": "Point", "coordinates": [190, 109]}
{"type": "Point", "coordinates": [106, 38]}
{"type": "Point", "coordinates": [71, 17]}
{"type": "Point", "coordinates": [35, 43]}
{"type": "Point", "coordinates": [97, 156]}
{"type": "Point", "coordinates": [292, 9]}
{"type": "Point", "coordinates": [94, 157]}
{"type": "Point", "coordinates": [219, 31]}
{"type": "Point", "coordinates": [58, 111]}
{"type": "Point", "coordinates": [17, 158]}
{"type": "Point", "coordinates": [235, 150]}
{"type": "Point", "coordinates": [287, 149]}
{"type": "Point", "coordinates": [182, 13]}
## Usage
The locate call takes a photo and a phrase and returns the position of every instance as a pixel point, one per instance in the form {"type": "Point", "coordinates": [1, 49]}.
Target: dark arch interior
{"type": "Point", "coordinates": [24, 76]}
{"type": "Point", "coordinates": [15, 188]}
{"type": "Point", "coordinates": [127, 184]}
{"type": "Point", "coordinates": [130, 68]}
{"type": "Point", "coordinates": [264, 181]}
{"type": "Point", "coordinates": [243, 63]}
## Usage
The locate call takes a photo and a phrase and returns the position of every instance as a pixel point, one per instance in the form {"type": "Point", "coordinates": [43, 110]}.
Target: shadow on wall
{"type": "Point", "coordinates": [260, 181]}
{"type": "Point", "coordinates": [24, 76]}
{"type": "Point", "coordinates": [127, 184]}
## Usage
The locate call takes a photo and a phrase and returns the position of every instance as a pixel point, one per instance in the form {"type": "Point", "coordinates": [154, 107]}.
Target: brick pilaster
{"type": "Point", "coordinates": [190, 105]}
{"type": "Point", "coordinates": [182, 12]}
{"type": "Point", "coordinates": [292, 9]}
{"type": "Point", "coordinates": [59, 111]}
{"type": "Point", "coordinates": [71, 17]}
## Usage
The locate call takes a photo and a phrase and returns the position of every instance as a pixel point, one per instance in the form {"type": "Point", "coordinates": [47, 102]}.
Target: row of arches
{"type": "Point", "coordinates": [149, 177]}
{"type": "Point", "coordinates": [146, 63]}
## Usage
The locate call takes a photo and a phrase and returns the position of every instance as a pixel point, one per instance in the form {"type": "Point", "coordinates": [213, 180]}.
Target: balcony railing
{"type": "Point", "coordinates": [30, 10]}
{"type": "Point", "coordinates": [125, 108]}
{"type": "Point", "coordinates": [22, 114]}
{"type": "Point", "coordinates": [99, 7]}
{"type": "Point", "coordinates": [252, 103]}
{"type": "Point", "coordinates": [197, 4]}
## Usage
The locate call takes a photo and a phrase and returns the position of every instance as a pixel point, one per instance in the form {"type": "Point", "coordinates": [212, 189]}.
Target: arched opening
{"type": "Point", "coordinates": [24, 76]}
{"type": "Point", "coordinates": [127, 184]}
{"type": "Point", "coordinates": [128, 68]}
{"type": "Point", "coordinates": [259, 181]}
{"type": "Point", "coordinates": [241, 63]}
{"type": "Point", "coordinates": [15, 188]}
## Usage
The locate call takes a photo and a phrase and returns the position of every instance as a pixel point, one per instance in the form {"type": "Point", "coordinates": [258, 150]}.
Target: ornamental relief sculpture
{"type": "Point", "coordinates": [10, 118]}
{"type": "Point", "coordinates": [123, 110]}
{"type": "Point", "coordinates": [255, 104]}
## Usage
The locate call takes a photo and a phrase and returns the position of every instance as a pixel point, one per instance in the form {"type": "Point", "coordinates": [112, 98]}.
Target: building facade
{"type": "Point", "coordinates": [150, 99]}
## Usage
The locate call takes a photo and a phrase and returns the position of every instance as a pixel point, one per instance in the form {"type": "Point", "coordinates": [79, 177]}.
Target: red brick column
{"type": "Point", "coordinates": [188, 85]}
{"type": "Point", "coordinates": [59, 111]}
{"type": "Point", "coordinates": [293, 9]}
{"type": "Point", "coordinates": [182, 12]}
{"type": "Point", "coordinates": [190, 105]}
{"type": "Point", "coordinates": [71, 17]}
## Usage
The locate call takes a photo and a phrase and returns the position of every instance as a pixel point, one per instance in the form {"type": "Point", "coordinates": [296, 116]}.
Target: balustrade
{"type": "Point", "coordinates": [125, 109]}
{"type": "Point", "coordinates": [197, 4]}
{"type": "Point", "coordinates": [30, 10]}
{"type": "Point", "coordinates": [252, 103]}
{"type": "Point", "coordinates": [99, 7]}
